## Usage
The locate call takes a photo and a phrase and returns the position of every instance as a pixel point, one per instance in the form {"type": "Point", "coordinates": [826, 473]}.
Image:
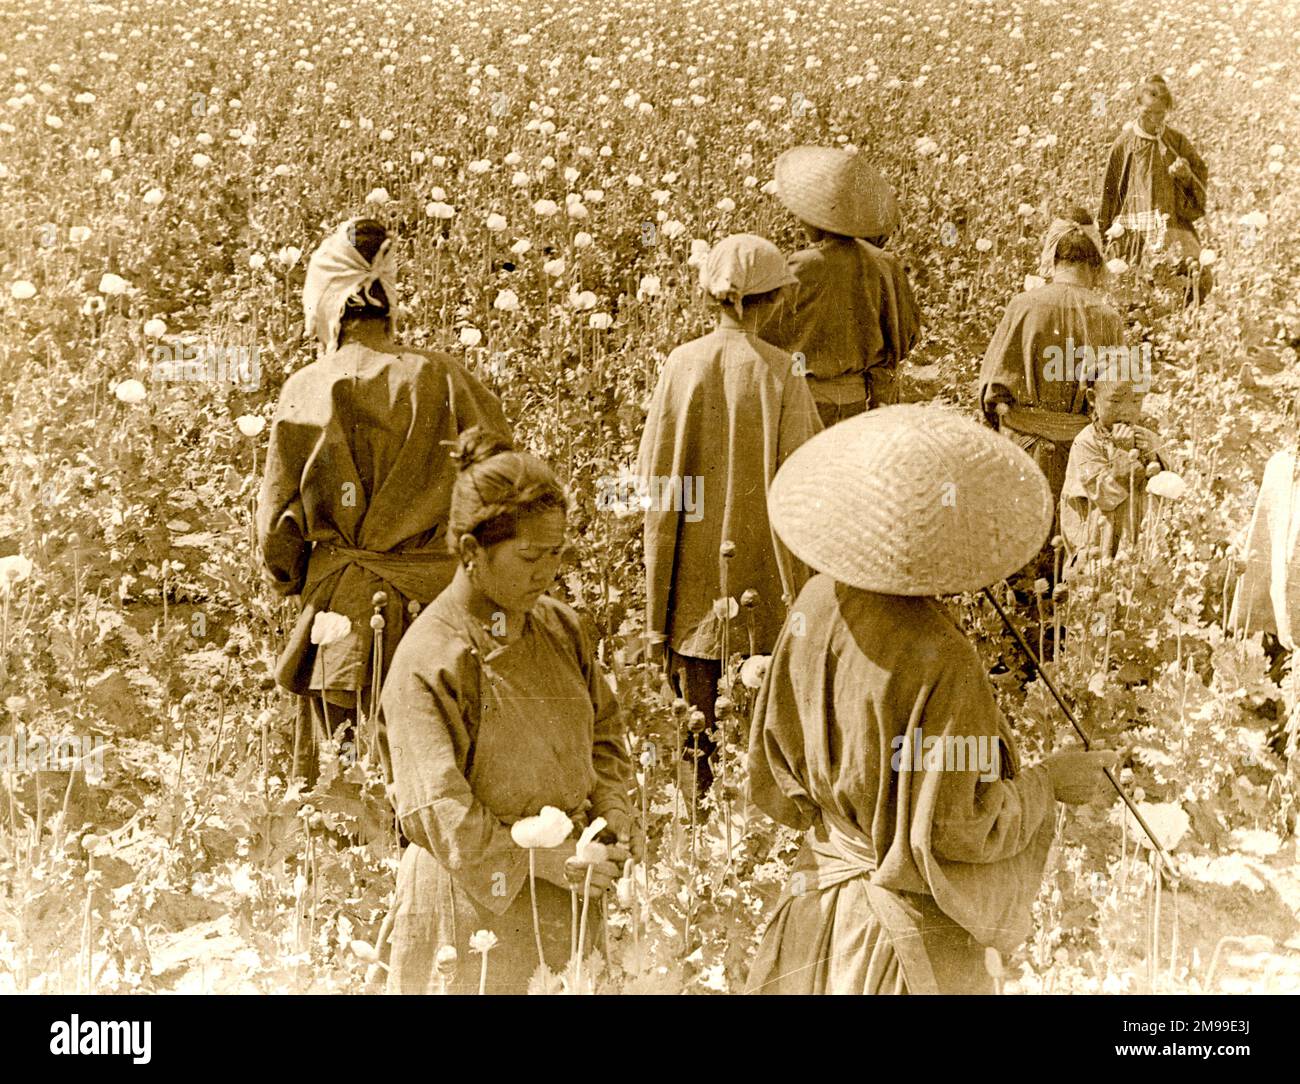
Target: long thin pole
{"type": "Point", "coordinates": [1087, 741]}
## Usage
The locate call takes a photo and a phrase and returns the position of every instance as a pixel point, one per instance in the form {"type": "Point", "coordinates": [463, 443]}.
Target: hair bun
{"type": "Point", "coordinates": [478, 444]}
{"type": "Point", "coordinates": [368, 236]}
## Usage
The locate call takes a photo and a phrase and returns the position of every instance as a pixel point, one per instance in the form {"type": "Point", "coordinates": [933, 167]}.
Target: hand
{"type": "Point", "coordinates": [1145, 441]}
{"type": "Point", "coordinates": [1181, 169]}
{"type": "Point", "coordinates": [603, 875]}
{"type": "Point", "coordinates": [1077, 776]}
{"type": "Point", "coordinates": [624, 833]}
{"type": "Point", "coordinates": [1121, 434]}
{"type": "Point", "coordinates": [1127, 463]}
{"type": "Point", "coordinates": [551, 862]}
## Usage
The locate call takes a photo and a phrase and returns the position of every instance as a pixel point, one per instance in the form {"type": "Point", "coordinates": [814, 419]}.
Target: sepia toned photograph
{"type": "Point", "coordinates": [602, 497]}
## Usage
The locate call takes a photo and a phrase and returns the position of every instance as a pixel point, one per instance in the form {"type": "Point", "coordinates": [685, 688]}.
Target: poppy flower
{"type": "Point", "coordinates": [114, 285]}
{"type": "Point", "coordinates": [549, 828]}
{"type": "Point", "coordinates": [587, 852]}
{"type": "Point", "coordinates": [130, 392]}
{"type": "Point", "coordinates": [753, 670]}
{"type": "Point", "coordinates": [1167, 484]}
{"type": "Point", "coordinates": [250, 424]}
{"type": "Point", "coordinates": [22, 290]}
{"type": "Point", "coordinates": [328, 627]}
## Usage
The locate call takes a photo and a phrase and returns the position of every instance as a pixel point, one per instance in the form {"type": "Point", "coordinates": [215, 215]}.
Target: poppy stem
{"type": "Point", "coordinates": [573, 922]}
{"type": "Point", "coordinates": [582, 927]}
{"type": "Point", "coordinates": [532, 891]}
{"type": "Point", "coordinates": [482, 976]}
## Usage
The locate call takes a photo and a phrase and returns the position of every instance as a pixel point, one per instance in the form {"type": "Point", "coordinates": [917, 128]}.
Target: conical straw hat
{"type": "Point", "coordinates": [836, 191]}
{"type": "Point", "coordinates": [911, 500]}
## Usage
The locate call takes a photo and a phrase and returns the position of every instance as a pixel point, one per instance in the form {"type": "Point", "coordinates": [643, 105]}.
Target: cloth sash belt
{"type": "Point", "coordinates": [417, 574]}
{"type": "Point", "coordinates": [845, 854]}
{"type": "Point", "coordinates": [1053, 425]}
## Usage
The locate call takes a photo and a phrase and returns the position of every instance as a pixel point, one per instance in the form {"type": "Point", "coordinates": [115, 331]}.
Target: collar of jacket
{"type": "Point", "coordinates": [728, 322]}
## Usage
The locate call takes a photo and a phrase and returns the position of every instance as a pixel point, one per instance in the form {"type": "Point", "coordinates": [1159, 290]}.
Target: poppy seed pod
{"type": "Point", "coordinates": [446, 960]}
{"type": "Point", "coordinates": [749, 599]}
{"type": "Point", "coordinates": [722, 707]}
{"type": "Point", "coordinates": [696, 723]}
{"type": "Point", "coordinates": [379, 598]}
{"type": "Point", "coordinates": [728, 549]}
{"type": "Point", "coordinates": [680, 707]}
{"type": "Point", "coordinates": [377, 622]}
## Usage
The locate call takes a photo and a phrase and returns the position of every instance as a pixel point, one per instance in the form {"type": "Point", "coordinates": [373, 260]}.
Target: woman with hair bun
{"type": "Point", "coordinates": [358, 480]}
{"type": "Point", "coordinates": [1037, 367]}
{"type": "Point", "coordinates": [496, 707]}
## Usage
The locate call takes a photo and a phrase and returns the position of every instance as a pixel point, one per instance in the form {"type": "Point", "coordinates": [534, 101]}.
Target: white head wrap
{"type": "Point", "coordinates": [741, 265]}
{"type": "Point", "coordinates": [339, 276]}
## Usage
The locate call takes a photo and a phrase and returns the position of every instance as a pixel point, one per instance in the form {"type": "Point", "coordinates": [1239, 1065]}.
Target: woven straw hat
{"type": "Point", "coordinates": [836, 191]}
{"type": "Point", "coordinates": [911, 500]}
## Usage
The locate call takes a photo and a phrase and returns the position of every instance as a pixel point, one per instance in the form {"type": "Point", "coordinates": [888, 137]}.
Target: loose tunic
{"type": "Point", "coordinates": [356, 496]}
{"type": "Point", "coordinates": [727, 412]}
{"type": "Point", "coordinates": [1268, 593]}
{"type": "Point", "coordinates": [1099, 512]}
{"type": "Point", "coordinates": [1035, 363]}
{"type": "Point", "coordinates": [1155, 208]}
{"type": "Point", "coordinates": [906, 870]}
{"type": "Point", "coordinates": [851, 314]}
{"type": "Point", "coordinates": [482, 735]}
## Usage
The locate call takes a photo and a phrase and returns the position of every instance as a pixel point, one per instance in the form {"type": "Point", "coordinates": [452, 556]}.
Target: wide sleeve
{"type": "Point", "coordinates": [776, 759]}
{"type": "Point", "coordinates": [656, 459]}
{"type": "Point", "coordinates": [472, 403]}
{"type": "Point", "coordinates": [1194, 190]}
{"type": "Point", "coordinates": [980, 837]}
{"type": "Point", "coordinates": [900, 316]}
{"type": "Point", "coordinates": [281, 516]}
{"type": "Point", "coordinates": [431, 708]}
{"type": "Point", "coordinates": [1113, 185]}
{"type": "Point", "coordinates": [1002, 377]}
{"type": "Point", "coordinates": [978, 815]}
{"type": "Point", "coordinates": [609, 755]}
{"type": "Point", "coordinates": [799, 422]}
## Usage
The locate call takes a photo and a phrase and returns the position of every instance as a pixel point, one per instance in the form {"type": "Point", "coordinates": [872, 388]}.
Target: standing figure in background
{"type": "Point", "coordinates": [358, 479]}
{"type": "Point", "coordinates": [1035, 375]}
{"type": "Point", "coordinates": [727, 411]}
{"type": "Point", "coordinates": [1155, 189]}
{"type": "Point", "coordinates": [850, 318]}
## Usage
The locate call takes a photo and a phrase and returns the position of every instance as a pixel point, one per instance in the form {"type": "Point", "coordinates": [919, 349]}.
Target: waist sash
{"type": "Point", "coordinates": [1053, 425]}
{"type": "Point", "coordinates": [846, 853]}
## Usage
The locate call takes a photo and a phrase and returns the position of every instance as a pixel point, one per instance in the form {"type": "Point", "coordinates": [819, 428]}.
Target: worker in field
{"type": "Point", "coordinates": [352, 514]}
{"type": "Point", "coordinates": [726, 412]}
{"type": "Point", "coordinates": [876, 730]}
{"type": "Point", "coordinates": [1154, 191]}
{"type": "Point", "coordinates": [850, 318]}
{"type": "Point", "coordinates": [1047, 348]}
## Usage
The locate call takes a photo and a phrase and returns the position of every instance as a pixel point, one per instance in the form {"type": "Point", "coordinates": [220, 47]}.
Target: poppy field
{"type": "Point", "coordinates": [553, 174]}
